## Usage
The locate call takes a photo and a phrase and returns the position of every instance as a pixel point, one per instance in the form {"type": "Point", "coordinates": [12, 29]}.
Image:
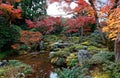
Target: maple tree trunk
{"type": "Point", "coordinates": [110, 44]}
{"type": "Point", "coordinates": [117, 48]}
{"type": "Point", "coordinates": [30, 5]}
{"type": "Point", "coordinates": [117, 41]}
{"type": "Point", "coordinates": [80, 33]}
{"type": "Point", "coordinates": [100, 29]}
{"type": "Point", "coordinates": [3, 1]}
{"type": "Point", "coordinates": [97, 20]}
{"type": "Point", "coordinates": [70, 36]}
{"type": "Point", "coordinates": [117, 51]}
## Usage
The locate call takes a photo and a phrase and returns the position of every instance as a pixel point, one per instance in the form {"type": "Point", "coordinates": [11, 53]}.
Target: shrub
{"type": "Point", "coordinates": [94, 39]}
{"type": "Point", "coordinates": [113, 69]}
{"type": "Point", "coordinates": [59, 61]}
{"type": "Point", "coordinates": [2, 20]}
{"type": "Point", "coordinates": [58, 58]}
{"type": "Point", "coordinates": [26, 69]}
{"type": "Point", "coordinates": [101, 57]}
{"type": "Point", "coordinates": [75, 47]}
{"type": "Point", "coordinates": [94, 49]}
{"type": "Point", "coordinates": [75, 39]}
{"type": "Point", "coordinates": [74, 72]}
{"type": "Point", "coordinates": [30, 39]}
{"type": "Point", "coordinates": [52, 38]}
{"type": "Point", "coordinates": [72, 60]}
{"type": "Point", "coordinates": [8, 36]}
{"type": "Point", "coordinates": [5, 54]}
{"type": "Point", "coordinates": [13, 68]}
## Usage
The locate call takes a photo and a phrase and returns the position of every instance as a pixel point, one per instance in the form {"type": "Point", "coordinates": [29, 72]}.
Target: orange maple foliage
{"type": "Point", "coordinates": [113, 24]}
{"type": "Point", "coordinates": [105, 9]}
{"type": "Point", "coordinates": [15, 46]}
{"type": "Point", "coordinates": [9, 12]}
{"type": "Point", "coordinates": [29, 38]}
{"type": "Point", "coordinates": [18, 0]}
{"type": "Point", "coordinates": [13, 1]}
{"type": "Point", "coordinates": [6, 7]}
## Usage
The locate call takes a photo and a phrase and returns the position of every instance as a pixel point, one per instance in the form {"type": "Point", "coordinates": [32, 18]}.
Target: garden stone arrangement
{"type": "Point", "coordinates": [59, 39]}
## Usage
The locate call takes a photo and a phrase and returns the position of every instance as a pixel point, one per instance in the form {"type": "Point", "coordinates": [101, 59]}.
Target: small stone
{"type": "Point", "coordinates": [87, 77]}
{"type": "Point", "coordinates": [4, 62]}
{"type": "Point", "coordinates": [20, 75]}
{"type": "Point", "coordinates": [41, 70]}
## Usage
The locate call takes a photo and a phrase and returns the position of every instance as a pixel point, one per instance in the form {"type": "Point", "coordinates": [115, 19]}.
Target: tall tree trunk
{"type": "Point", "coordinates": [117, 51]}
{"type": "Point", "coordinates": [80, 33]}
{"type": "Point", "coordinates": [30, 5]}
{"type": "Point", "coordinates": [97, 20]}
{"type": "Point", "coordinates": [3, 1]}
{"type": "Point", "coordinates": [117, 40]}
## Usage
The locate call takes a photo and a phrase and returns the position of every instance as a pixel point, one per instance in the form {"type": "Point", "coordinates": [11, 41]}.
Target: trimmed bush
{"type": "Point", "coordinates": [8, 36]}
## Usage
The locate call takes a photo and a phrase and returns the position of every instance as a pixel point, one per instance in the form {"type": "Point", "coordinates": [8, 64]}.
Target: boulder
{"type": "Point", "coordinates": [3, 62]}
{"type": "Point", "coordinates": [83, 56]}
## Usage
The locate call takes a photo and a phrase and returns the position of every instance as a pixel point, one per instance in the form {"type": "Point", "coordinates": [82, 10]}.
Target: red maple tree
{"type": "Point", "coordinates": [46, 25]}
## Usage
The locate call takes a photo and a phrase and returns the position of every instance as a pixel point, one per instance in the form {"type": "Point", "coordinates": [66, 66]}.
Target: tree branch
{"type": "Point", "coordinates": [115, 4]}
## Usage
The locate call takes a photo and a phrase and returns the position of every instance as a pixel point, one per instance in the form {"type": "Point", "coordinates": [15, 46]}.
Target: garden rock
{"type": "Point", "coordinates": [83, 56]}
{"type": "Point", "coordinates": [61, 45]}
{"type": "Point", "coordinates": [21, 75]}
{"type": "Point", "coordinates": [4, 62]}
{"type": "Point", "coordinates": [87, 77]}
{"type": "Point", "coordinates": [40, 45]}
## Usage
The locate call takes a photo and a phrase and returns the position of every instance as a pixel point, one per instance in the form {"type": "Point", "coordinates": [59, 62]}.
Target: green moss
{"type": "Point", "coordinates": [101, 75]}
{"type": "Point", "coordinates": [75, 47]}
{"type": "Point", "coordinates": [75, 39]}
{"type": "Point", "coordinates": [66, 49]}
{"type": "Point", "coordinates": [52, 38]}
{"type": "Point", "coordinates": [93, 48]}
{"type": "Point", "coordinates": [86, 43]}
